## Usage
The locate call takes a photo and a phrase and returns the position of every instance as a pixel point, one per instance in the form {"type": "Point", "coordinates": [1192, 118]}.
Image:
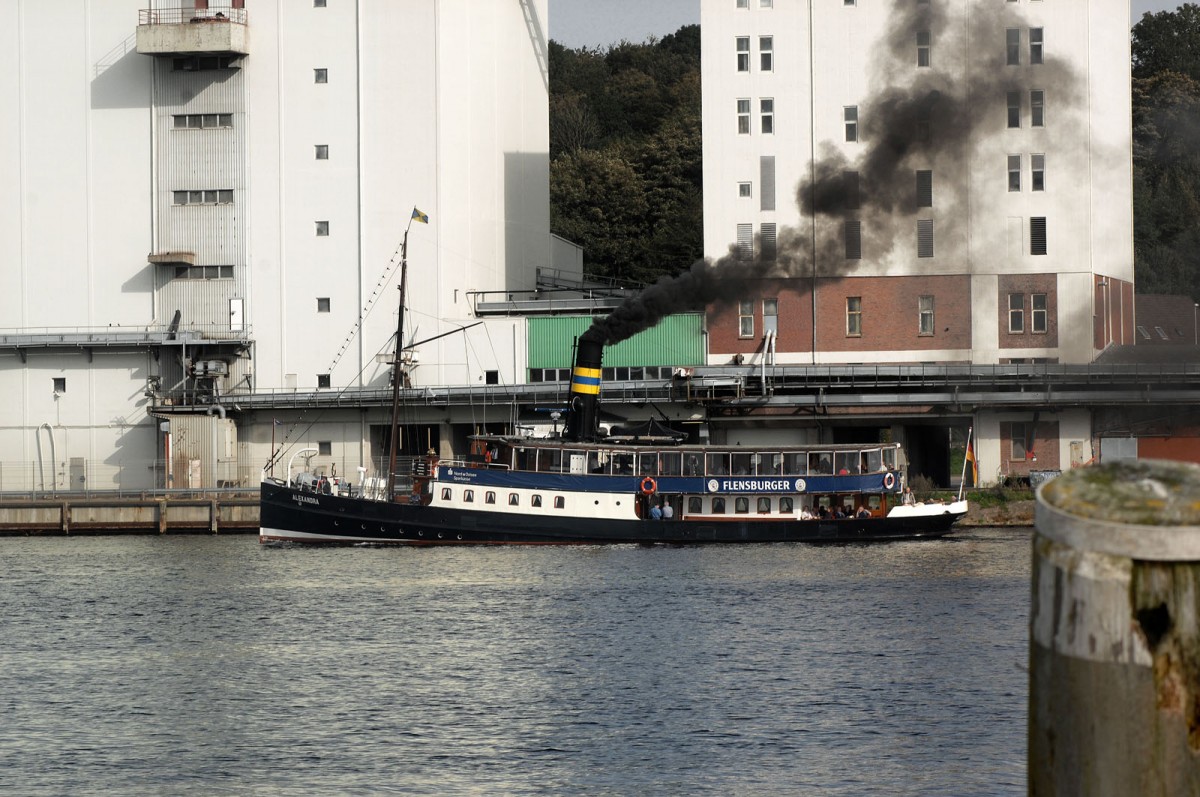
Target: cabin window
{"type": "Point", "coordinates": [874, 502]}
{"type": "Point", "coordinates": [741, 464]}
{"type": "Point", "coordinates": [846, 462]}
{"type": "Point", "coordinates": [718, 464]}
{"type": "Point", "coordinates": [718, 506]}
{"type": "Point", "coordinates": [764, 505]}
{"type": "Point", "coordinates": [446, 494]}
{"type": "Point", "coordinates": [785, 505]}
{"type": "Point", "coordinates": [795, 464]}
{"type": "Point", "coordinates": [820, 463]}
{"type": "Point", "coordinates": [874, 459]}
{"type": "Point", "coordinates": [559, 502]}
{"type": "Point", "coordinates": [536, 501]}
{"type": "Point", "coordinates": [490, 498]}
{"type": "Point", "coordinates": [741, 505]}
{"type": "Point", "coordinates": [622, 464]}
{"type": "Point", "coordinates": [469, 496]}
{"type": "Point", "coordinates": [889, 458]}
{"type": "Point", "coordinates": [695, 505]}
{"type": "Point", "coordinates": [670, 464]}
{"type": "Point", "coordinates": [514, 499]}
{"type": "Point", "coordinates": [550, 460]}
{"type": "Point", "coordinates": [691, 466]}
{"type": "Point", "coordinates": [648, 464]}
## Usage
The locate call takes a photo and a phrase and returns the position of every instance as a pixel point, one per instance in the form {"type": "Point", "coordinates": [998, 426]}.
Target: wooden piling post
{"type": "Point", "coordinates": [1114, 653]}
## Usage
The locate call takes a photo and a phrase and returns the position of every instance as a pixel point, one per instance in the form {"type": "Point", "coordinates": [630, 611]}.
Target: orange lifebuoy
{"type": "Point", "coordinates": [649, 486]}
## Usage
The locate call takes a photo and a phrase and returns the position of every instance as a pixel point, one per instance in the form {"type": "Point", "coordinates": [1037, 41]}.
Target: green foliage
{"type": "Point", "coordinates": [625, 168]}
{"type": "Point", "coordinates": [1166, 151]}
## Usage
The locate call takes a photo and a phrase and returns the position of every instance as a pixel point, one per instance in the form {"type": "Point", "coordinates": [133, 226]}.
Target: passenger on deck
{"type": "Point", "coordinates": [655, 512]}
{"type": "Point", "coordinates": [863, 512]}
{"type": "Point", "coordinates": [806, 513]}
{"type": "Point", "coordinates": [668, 511]}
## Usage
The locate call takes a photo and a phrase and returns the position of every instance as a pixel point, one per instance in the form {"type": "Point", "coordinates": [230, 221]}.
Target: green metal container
{"type": "Point", "coordinates": [677, 340]}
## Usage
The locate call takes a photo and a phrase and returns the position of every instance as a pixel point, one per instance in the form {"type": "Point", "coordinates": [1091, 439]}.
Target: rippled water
{"type": "Point", "coordinates": [212, 665]}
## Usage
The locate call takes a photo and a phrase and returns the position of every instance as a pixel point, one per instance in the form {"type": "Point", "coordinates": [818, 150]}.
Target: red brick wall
{"type": "Point", "coordinates": [1028, 284]}
{"type": "Point", "coordinates": [889, 315]}
{"type": "Point", "coordinates": [1045, 448]}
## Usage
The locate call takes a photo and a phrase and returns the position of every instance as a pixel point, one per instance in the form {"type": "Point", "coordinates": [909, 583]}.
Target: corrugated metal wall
{"type": "Point", "coordinates": [677, 340]}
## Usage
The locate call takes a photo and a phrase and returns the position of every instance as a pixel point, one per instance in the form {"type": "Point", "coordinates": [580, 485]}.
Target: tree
{"type": "Point", "coordinates": [1167, 42]}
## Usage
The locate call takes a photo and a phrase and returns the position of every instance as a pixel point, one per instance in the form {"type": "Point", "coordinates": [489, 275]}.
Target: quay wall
{"type": "Point", "coordinates": [76, 515]}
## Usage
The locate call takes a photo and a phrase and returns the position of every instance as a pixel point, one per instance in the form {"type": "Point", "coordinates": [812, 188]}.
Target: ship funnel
{"type": "Point", "coordinates": [583, 422]}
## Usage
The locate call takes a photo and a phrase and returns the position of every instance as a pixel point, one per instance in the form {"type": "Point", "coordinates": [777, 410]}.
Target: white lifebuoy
{"type": "Point", "coordinates": [889, 481]}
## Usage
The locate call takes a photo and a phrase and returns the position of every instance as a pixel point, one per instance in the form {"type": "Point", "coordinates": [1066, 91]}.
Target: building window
{"type": "Point", "coordinates": [323, 380]}
{"type": "Point", "coordinates": [850, 191]}
{"type": "Point", "coordinates": [318, 3]}
{"type": "Point", "coordinates": [1038, 315]}
{"type": "Point", "coordinates": [1037, 235]}
{"type": "Point", "coordinates": [766, 181]}
{"type": "Point", "coordinates": [322, 228]}
{"type": "Point", "coordinates": [324, 448]}
{"type": "Point", "coordinates": [743, 53]}
{"type": "Point", "coordinates": [922, 48]}
{"type": "Point", "coordinates": [320, 75]}
{"type": "Point", "coordinates": [1012, 46]}
{"type": "Point", "coordinates": [924, 188]}
{"type": "Point", "coordinates": [1014, 108]}
{"type": "Point", "coordinates": [1038, 172]}
{"type": "Point", "coordinates": [849, 2]}
{"type": "Point", "coordinates": [852, 232]}
{"type": "Point", "coordinates": [60, 385]}
{"type": "Point", "coordinates": [925, 238]}
{"type": "Point", "coordinates": [745, 241]}
{"type": "Point", "coordinates": [745, 319]}
{"type": "Point", "coordinates": [743, 3]}
{"type": "Point", "coordinates": [925, 315]}
{"type": "Point", "coordinates": [204, 63]}
{"type": "Point", "coordinates": [1014, 172]}
{"type": "Point", "coordinates": [767, 243]}
{"type": "Point", "coordinates": [198, 121]}
{"type": "Point", "coordinates": [323, 305]}
{"type": "Point", "coordinates": [1016, 313]}
{"type": "Point", "coordinates": [743, 117]}
{"type": "Point", "coordinates": [1035, 45]}
{"type": "Point", "coordinates": [203, 272]}
{"type": "Point", "coordinates": [1037, 108]}
{"type": "Point", "coordinates": [322, 152]}
{"type": "Point", "coordinates": [1020, 434]}
{"type": "Point", "coordinates": [766, 53]}
{"type": "Point", "coordinates": [223, 196]}
{"type": "Point", "coordinates": [770, 316]}
{"type": "Point", "coordinates": [744, 190]}
{"type": "Point", "coordinates": [766, 3]}
{"type": "Point", "coordinates": [853, 316]}
{"type": "Point", "coordinates": [766, 108]}
{"type": "Point", "coordinates": [850, 117]}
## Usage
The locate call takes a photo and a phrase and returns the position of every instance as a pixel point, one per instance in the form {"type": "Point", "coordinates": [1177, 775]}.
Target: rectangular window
{"type": "Point", "coordinates": [924, 188]}
{"type": "Point", "coordinates": [1035, 45]}
{"type": "Point", "coordinates": [1037, 108]}
{"type": "Point", "coordinates": [766, 181]}
{"type": "Point", "coordinates": [60, 385]}
{"type": "Point", "coordinates": [745, 241]}
{"type": "Point", "coordinates": [850, 190]}
{"type": "Point", "coordinates": [203, 272]}
{"type": "Point", "coordinates": [743, 53]}
{"type": "Point", "coordinates": [925, 238]}
{"type": "Point", "coordinates": [196, 121]}
{"type": "Point", "coordinates": [852, 232]}
{"type": "Point", "coordinates": [1020, 433]}
{"type": "Point", "coordinates": [743, 3]}
{"type": "Point", "coordinates": [766, 109]}
{"type": "Point", "coordinates": [1037, 235]}
{"type": "Point", "coordinates": [745, 319]}
{"type": "Point", "coordinates": [850, 117]}
{"type": "Point", "coordinates": [322, 228]}
{"type": "Point", "coordinates": [1016, 313]}
{"type": "Point", "coordinates": [210, 196]}
{"type": "Point", "coordinates": [744, 190]}
{"type": "Point", "coordinates": [1012, 46]}
{"type": "Point", "coordinates": [323, 304]}
{"type": "Point", "coordinates": [323, 380]}
{"type": "Point", "coordinates": [925, 315]}
{"type": "Point", "coordinates": [743, 117]}
{"type": "Point", "coordinates": [1038, 172]}
{"type": "Point", "coordinates": [853, 316]}
{"type": "Point", "coordinates": [766, 53]}
{"type": "Point", "coordinates": [922, 48]}
{"type": "Point", "coordinates": [767, 242]}
{"type": "Point", "coordinates": [765, 3]}
{"type": "Point", "coordinates": [320, 76]}
{"type": "Point", "coordinates": [1014, 108]}
{"type": "Point", "coordinates": [770, 315]}
{"type": "Point", "coordinates": [1039, 314]}
{"type": "Point", "coordinates": [1014, 172]}
{"type": "Point", "coordinates": [322, 152]}
{"type": "Point", "coordinates": [318, 3]}
{"type": "Point", "coordinates": [324, 448]}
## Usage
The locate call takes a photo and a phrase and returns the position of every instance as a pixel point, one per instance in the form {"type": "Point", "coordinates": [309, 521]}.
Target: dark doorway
{"type": "Point", "coordinates": [928, 450]}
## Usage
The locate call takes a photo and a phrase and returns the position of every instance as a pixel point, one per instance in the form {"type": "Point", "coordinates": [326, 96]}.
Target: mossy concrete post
{"type": "Point", "coordinates": [1114, 653]}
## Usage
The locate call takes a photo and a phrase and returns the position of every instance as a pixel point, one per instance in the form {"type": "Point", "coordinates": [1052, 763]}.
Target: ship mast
{"type": "Point", "coordinates": [391, 484]}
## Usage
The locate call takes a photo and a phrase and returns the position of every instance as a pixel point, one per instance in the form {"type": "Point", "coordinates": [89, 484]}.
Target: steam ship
{"type": "Point", "coordinates": [641, 485]}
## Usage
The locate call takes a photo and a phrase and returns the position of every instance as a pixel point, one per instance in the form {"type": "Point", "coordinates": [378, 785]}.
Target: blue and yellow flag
{"type": "Point", "coordinates": [419, 216]}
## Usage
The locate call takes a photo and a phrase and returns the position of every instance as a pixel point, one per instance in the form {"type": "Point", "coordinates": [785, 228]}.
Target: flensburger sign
{"type": "Point", "coordinates": [735, 484]}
